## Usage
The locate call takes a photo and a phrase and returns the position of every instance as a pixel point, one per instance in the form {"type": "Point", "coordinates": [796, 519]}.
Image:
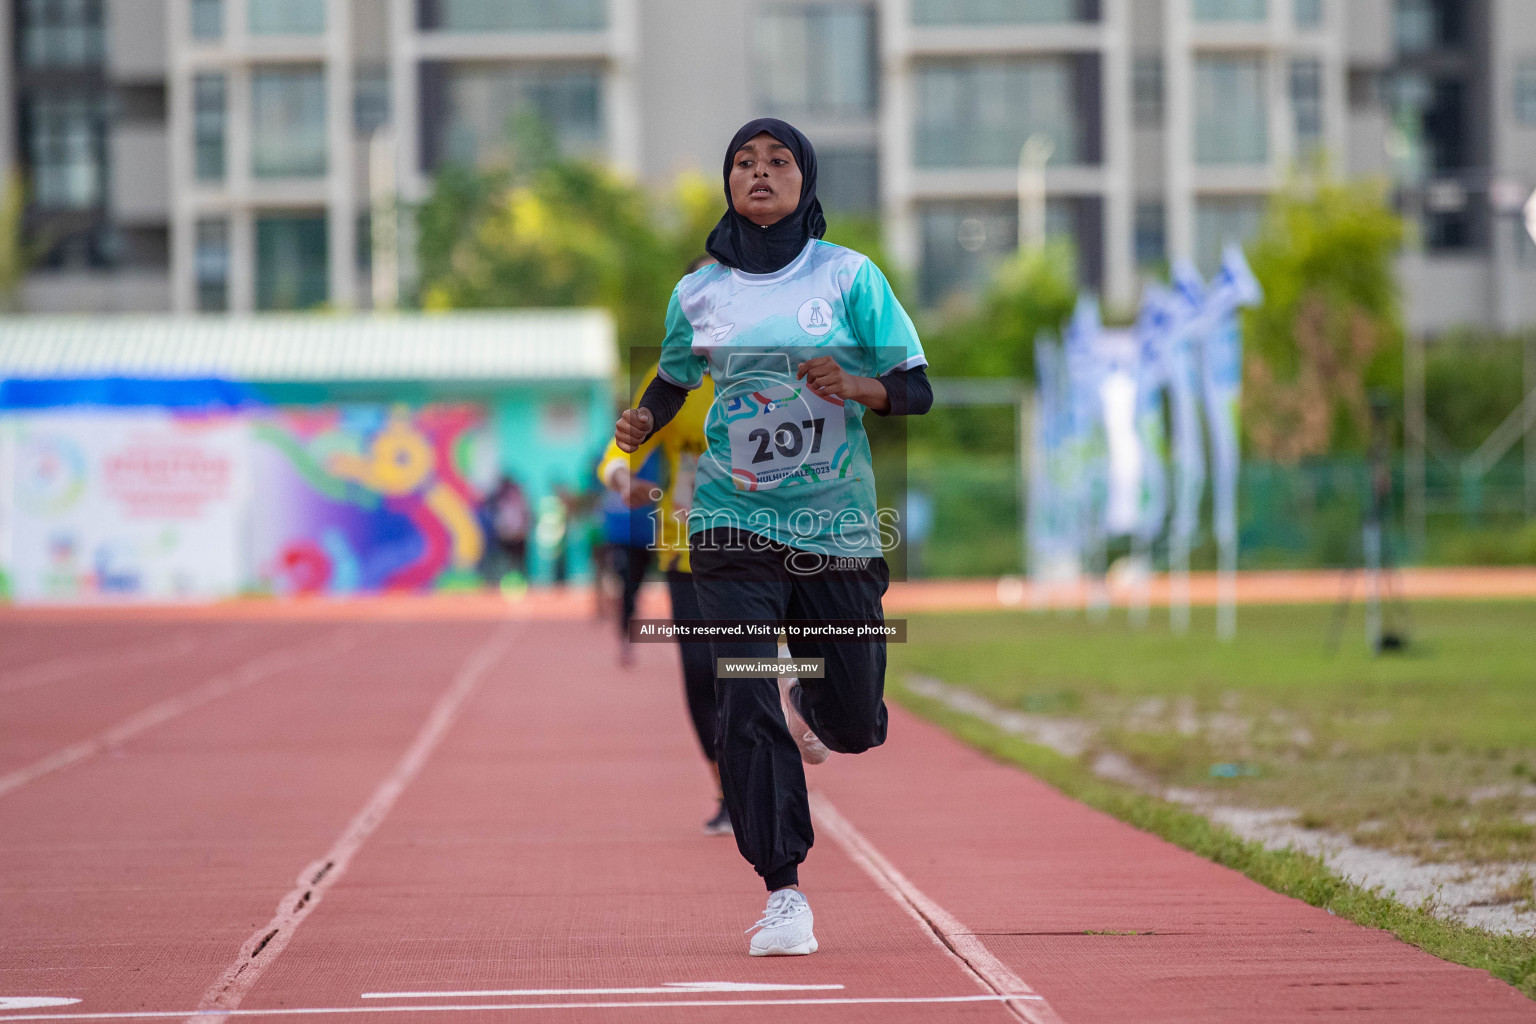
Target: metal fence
{"type": "Point", "coordinates": [1308, 515]}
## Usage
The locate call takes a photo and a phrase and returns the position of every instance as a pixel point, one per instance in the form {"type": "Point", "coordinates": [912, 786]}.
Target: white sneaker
{"type": "Point", "coordinates": [812, 750]}
{"type": "Point", "coordinates": [785, 929]}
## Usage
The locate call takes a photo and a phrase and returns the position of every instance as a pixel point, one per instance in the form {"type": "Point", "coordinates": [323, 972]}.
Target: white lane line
{"type": "Point", "coordinates": [33, 1002]}
{"type": "Point", "coordinates": [670, 988]}
{"type": "Point", "coordinates": [253, 670]}
{"type": "Point", "coordinates": [205, 1015]}
{"type": "Point", "coordinates": [990, 972]}
{"type": "Point", "coordinates": [264, 947]}
{"type": "Point", "coordinates": [57, 669]}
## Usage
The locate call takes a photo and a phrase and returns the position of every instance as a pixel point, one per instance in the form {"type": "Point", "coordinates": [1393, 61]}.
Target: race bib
{"type": "Point", "coordinates": [785, 435]}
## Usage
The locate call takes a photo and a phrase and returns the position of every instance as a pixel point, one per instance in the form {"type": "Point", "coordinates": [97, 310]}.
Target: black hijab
{"type": "Point", "coordinates": [736, 241]}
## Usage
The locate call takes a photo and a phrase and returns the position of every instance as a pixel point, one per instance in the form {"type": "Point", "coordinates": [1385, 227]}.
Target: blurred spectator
{"type": "Point", "coordinates": [629, 539]}
{"type": "Point", "coordinates": [566, 527]}
{"type": "Point", "coordinates": [509, 518]}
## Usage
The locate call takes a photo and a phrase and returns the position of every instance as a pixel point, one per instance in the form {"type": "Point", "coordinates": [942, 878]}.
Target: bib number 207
{"type": "Point", "coordinates": [787, 438]}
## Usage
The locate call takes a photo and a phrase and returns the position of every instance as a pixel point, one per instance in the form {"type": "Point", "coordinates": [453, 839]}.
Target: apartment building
{"type": "Point", "coordinates": [217, 154]}
{"type": "Point", "coordinates": [1462, 150]}
{"type": "Point", "coordinates": [79, 97]}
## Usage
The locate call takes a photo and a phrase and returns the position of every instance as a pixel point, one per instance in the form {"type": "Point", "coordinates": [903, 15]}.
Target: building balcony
{"type": "Point", "coordinates": [502, 46]}
{"type": "Point", "coordinates": [970, 40]}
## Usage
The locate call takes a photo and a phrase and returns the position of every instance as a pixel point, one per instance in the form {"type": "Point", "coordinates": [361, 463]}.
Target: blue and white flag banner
{"type": "Point", "coordinates": [1118, 358]}
{"type": "Point", "coordinates": [1084, 443]}
{"type": "Point", "coordinates": [1104, 461]}
{"type": "Point", "coordinates": [1055, 534]}
{"type": "Point", "coordinates": [1233, 288]}
{"type": "Point", "coordinates": [1152, 339]}
{"type": "Point", "coordinates": [1186, 301]}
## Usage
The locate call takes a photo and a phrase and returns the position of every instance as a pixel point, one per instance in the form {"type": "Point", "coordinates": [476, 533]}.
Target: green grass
{"type": "Point", "coordinates": [1510, 958]}
{"type": "Point", "coordinates": [1431, 752]}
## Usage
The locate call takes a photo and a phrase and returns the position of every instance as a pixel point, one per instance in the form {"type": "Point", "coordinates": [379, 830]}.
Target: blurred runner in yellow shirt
{"type": "Point", "coordinates": [681, 443]}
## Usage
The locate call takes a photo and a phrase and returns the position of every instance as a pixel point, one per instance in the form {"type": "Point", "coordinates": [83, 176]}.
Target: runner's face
{"type": "Point", "coordinates": [765, 181]}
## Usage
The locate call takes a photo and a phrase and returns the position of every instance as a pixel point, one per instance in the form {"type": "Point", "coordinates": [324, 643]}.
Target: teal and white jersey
{"type": "Point", "coordinates": [783, 462]}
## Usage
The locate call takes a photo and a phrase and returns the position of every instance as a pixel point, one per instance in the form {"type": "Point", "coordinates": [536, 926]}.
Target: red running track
{"type": "Point", "coordinates": [307, 821]}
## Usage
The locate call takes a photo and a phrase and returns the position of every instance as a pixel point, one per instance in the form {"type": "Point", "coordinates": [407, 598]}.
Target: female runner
{"type": "Point", "coordinates": [800, 337]}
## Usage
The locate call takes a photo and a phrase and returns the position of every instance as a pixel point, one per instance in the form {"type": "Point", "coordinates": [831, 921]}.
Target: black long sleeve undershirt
{"type": "Point", "coordinates": [663, 399]}
{"type": "Point", "coordinates": [909, 391]}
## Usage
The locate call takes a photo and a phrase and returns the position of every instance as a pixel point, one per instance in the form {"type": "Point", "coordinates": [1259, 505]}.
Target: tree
{"type": "Point", "coordinates": [557, 233]}
{"type": "Point", "coordinates": [1031, 291]}
{"type": "Point", "coordinates": [1330, 328]}
{"type": "Point", "coordinates": [15, 256]}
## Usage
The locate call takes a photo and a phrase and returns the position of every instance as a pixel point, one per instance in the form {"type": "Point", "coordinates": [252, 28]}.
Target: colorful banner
{"type": "Point", "coordinates": [1221, 363]}
{"type": "Point", "coordinates": [126, 505]}
{"type": "Point", "coordinates": [366, 498]}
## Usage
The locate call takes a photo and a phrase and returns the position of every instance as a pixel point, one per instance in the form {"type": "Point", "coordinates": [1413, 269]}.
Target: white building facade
{"type": "Point", "coordinates": [212, 155]}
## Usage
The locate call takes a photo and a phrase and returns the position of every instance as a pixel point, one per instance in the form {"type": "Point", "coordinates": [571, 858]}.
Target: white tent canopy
{"type": "Point", "coordinates": [525, 345]}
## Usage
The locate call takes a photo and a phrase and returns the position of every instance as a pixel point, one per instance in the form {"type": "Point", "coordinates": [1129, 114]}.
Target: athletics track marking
{"type": "Point", "coordinates": [267, 944]}
{"type": "Point", "coordinates": [251, 671]}
{"type": "Point", "coordinates": [223, 998]}
{"type": "Point", "coordinates": [56, 669]}
{"type": "Point", "coordinates": [202, 1015]}
{"type": "Point", "coordinates": [670, 988]}
{"type": "Point", "coordinates": [954, 938]}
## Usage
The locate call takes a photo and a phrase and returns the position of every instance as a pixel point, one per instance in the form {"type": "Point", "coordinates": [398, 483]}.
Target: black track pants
{"type": "Point", "coordinates": [760, 768]}
{"type": "Point", "coordinates": [698, 665]}
{"type": "Point", "coordinates": [631, 564]}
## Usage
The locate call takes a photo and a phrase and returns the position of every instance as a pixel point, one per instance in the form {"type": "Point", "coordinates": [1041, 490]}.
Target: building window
{"type": "Point", "coordinates": [1308, 13]}
{"type": "Point", "coordinates": [1002, 12]}
{"type": "Point", "coordinates": [1151, 234]}
{"type": "Point", "coordinates": [145, 248]}
{"type": "Point", "coordinates": [817, 61]}
{"type": "Point", "coordinates": [61, 33]}
{"type": "Point", "coordinates": [479, 114]}
{"type": "Point", "coordinates": [1221, 222]}
{"type": "Point", "coordinates": [211, 262]}
{"type": "Point", "coordinates": [978, 113]}
{"type": "Point", "coordinates": [513, 15]}
{"type": "Point", "coordinates": [1425, 26]}
{"type": "Point", "coordinates": [66, 147]}
{"type": "Point", "coordinates": [1525, 91]}
{"type": "Point", "coordinates": [208, 114]}
{"type": "Point", "coordinates": [1307, 104]}
{"type": "Point", "coordinates": [207, 19]}
{"type": "Point", "coordinates": [1230, 10]}
{"type": "Point", "coordinates": [1231, 117]}
{"type": "Point", "coordinates": [288, 122]}
{"type": "Point", "coordinates": [1525, 245]}
{"type": "Point", "coordinates": [292, 265]}
{"type": "Point", "coordinates": [1415, 24]}
{"type": "Point", "coordinates": [370, 99]}
{"type": "Point", "coordinates": [1147, 90]}
{"type": "Point", "coordinates": [963, 241]}
{"type": "Point", "coordinates": [1431, 117]}
{"type": "Point", "coordinates": [848, 180]}
{"type": "Point", "coordinates": [286, 17]}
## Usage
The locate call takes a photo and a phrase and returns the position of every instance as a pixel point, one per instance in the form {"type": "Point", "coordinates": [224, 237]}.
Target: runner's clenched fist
{"type": "Point", "coordinates": [633, 427]}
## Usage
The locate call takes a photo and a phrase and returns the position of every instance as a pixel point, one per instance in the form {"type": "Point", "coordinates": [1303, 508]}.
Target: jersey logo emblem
{"type": "Point", "coordinates": [816, 317]}
{"type": "Point", "coordinates": [723, 331]}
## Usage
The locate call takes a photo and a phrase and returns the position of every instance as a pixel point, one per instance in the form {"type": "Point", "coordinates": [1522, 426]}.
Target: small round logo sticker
{"type": "Point", "coordinates": [816, 317]}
